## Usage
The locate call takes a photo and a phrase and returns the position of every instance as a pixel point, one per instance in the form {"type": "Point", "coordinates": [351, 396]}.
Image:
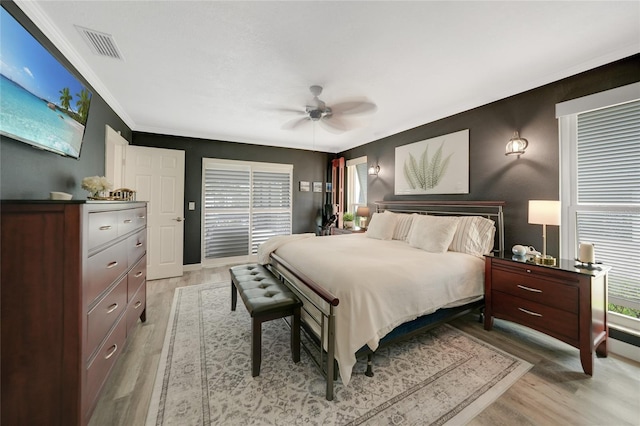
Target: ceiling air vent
{"type": "Point", "coordinates": [100, 43]}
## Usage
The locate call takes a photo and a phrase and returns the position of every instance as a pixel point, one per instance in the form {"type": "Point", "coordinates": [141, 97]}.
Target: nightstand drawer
{"type": "Point", "coordinates": [531, 287]}
{"type": "Point", "coordinates": [535, 315]}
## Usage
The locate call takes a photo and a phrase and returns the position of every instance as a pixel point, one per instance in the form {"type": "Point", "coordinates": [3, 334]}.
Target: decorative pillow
{"type": "Point", "coordinates": [432, 233]}
{"type": "Point", "coordinates": [403, 224]}
{"type": "Point", "coordinates": [474, 235]}
{"type": "Point", "coordinates": [381, 226]}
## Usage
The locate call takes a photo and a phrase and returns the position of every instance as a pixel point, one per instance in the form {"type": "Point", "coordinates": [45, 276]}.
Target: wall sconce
{"type": "Point", "coordinates": [516, 145]}
{"type": "Point", "coordinates": [543, 212]}
{"type": "Point", "coordinates": [374, 170]}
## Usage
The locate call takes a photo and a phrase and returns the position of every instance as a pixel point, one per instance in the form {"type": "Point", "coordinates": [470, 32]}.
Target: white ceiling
{"type": "Point", "coordinates": [222, 69]}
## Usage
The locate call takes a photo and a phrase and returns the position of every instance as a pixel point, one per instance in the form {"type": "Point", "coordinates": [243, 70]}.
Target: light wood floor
{"type": "Point", "coordinates": [553, 392]}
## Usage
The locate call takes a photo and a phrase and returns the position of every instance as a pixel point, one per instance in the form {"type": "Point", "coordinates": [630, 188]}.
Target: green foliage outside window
{"type": "Point", "coordinates": [634, 313]}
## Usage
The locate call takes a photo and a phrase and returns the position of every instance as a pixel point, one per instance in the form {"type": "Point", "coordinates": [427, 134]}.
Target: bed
{"type": "Point", "coordinates": [418, 265]}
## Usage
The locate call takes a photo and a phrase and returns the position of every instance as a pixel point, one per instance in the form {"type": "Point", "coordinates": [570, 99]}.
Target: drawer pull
{"type": "Point", "coordinates": [112, 264]}
{"type": "Point", "coordinates": [535, 290]}
{"type": "Point", "coordinates": [138, 245]}
{"type": "Point", "coordinates": [105, 227]}
{"type": "Point", "coordinates": [128, 221]}
{"type": "Point", "coordinates": [112, 308]}
{"type": "Point", "coordinates": [141, 216]}
{"type": "Point", "coordinates": [138, 274]}
{"type": "Point", "coordinates": [535, 314]}
{"type": "Point", "coordinates": [137, 305]}
{"type": "Point", "coordinates": [112, 350]}
{"type": "Point", "coordinates": [528, 271]}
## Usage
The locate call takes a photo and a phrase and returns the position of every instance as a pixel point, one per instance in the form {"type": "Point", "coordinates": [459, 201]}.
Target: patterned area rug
{"type": "Point", "coordinates": [204, 376]}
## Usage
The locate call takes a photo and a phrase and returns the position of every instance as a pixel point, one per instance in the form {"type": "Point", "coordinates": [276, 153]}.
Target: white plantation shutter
{"type": "Point", "coordinates": [271, 211]}
{"type": "Point", "coordinates": [608, 194]}
{"type": "Point", "coordinates": [244, 204]}
{"type": "Point", "coordinates": [227, 201]}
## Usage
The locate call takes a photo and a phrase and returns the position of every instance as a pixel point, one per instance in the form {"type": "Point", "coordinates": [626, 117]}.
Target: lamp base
{"type": "Point", "coordinates": [545, 260]}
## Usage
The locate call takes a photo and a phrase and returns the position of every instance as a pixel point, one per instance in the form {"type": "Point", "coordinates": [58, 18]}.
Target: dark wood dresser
{"type": "Point", "coordinates": [564, 301]}
{"type": "Point", "coordinates": [73, 286]}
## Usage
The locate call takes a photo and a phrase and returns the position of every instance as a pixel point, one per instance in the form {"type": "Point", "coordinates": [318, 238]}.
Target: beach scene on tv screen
{"type": "Point", "coordinates": [42, 103]}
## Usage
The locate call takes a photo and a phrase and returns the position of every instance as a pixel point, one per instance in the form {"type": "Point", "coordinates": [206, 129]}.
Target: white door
{"type": "Point", "coordinates": [157, 175]}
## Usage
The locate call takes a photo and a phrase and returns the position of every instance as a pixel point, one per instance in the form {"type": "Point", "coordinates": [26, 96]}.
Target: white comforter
{"type": "Point", "coordinates": [381, 284]}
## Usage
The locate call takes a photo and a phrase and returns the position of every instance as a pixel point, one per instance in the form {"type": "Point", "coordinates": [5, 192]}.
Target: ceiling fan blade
{"type": "Point", "coordinates": [334, 125]}
{"type": "Point", "coordinates": [354, 107]}
{"type": "Point", "coordinates": [290, 110]}
{"type": "Point", "coordinates": [292, 124]}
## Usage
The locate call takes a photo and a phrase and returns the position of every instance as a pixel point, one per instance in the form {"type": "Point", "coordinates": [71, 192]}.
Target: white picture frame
{"type": "Point", "coordinates": [438, 165]}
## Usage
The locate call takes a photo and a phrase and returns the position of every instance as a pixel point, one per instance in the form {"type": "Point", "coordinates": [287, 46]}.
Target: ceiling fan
{"type": "Point", "coordinates": [328, 117]}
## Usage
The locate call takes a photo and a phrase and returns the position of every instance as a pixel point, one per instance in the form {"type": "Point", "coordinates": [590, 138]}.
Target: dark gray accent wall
{"type": "Point", "coordinates": [308, 166]}
{"type": "Point", "coordinates": [494, 176]}
{"type": "Point", "coordinates": [30, 173]}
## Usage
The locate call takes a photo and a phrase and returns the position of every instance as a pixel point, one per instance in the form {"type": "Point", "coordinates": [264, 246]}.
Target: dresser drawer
{"type": "Point", "coordinates": [140, 217]}
{"type": "Point", "coordinates": [137, 275]}
{"type": "Point", "coordinates": [535, 315]}
{"type": "Point", "coordinates": [126, 221]}
{"type": "Point", "coordinates": [105, 358]}
{"type": "Point", "coordinates": [137, 304]}
{"type": "Point", "coordinates": [102, 317]}
{"type": "Point", "coordinates": [103, 227]}
{"type": "Point", "coordinates": [532, 287]}
{"type": "Point", "coordinates": [104, 268]}
{"type": "Point", "coordinates": [137, 246]}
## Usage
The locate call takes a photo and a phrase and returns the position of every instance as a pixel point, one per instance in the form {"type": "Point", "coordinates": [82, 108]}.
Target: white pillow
{"type": "Point", "coordinates": [403, 224]}
{"type": "Point", "coordinates": [432, 233]}
{"type": "Point", "coordinates": [474, 235]}
{"type": "Point", "coordinates": [381, 226]}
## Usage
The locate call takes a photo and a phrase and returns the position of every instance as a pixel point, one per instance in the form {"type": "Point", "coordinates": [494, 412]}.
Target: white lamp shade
{"type": "Point", "coordinates": [544, 212]}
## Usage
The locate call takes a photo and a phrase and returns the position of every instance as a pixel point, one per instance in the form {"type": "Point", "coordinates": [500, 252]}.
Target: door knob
{"type": "Point", "coordinates": [179, 219]}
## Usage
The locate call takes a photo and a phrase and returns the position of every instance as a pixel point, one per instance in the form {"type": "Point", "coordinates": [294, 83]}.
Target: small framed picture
{"type": "Point", "coordinates": [328, 187]}
{"type": "Point", "coordinates": [317, 186]}
{"type": "Point", "coordinates": [304, 186]}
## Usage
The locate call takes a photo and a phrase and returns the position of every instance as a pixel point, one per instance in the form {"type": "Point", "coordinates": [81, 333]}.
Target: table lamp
{"type": "Point", "coordinates": [544, 212]}
{"type": "Point", "coordinates": [363, 213]}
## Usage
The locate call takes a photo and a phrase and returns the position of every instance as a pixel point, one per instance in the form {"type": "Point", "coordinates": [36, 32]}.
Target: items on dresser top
{"type": "Point", "coordinates": [73, 288]}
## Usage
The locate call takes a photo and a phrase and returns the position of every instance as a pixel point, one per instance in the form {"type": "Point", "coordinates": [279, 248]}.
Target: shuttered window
{"type": "Point", "coordinates": [244, 203]}
{"type": "Point", "coordinates": [608, 194]}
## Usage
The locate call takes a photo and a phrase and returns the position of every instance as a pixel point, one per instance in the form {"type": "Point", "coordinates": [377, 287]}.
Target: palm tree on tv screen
{"type": "Point", "coordinates": [65, 98]}
{"type": "Point", "coordinates": [83, 104]}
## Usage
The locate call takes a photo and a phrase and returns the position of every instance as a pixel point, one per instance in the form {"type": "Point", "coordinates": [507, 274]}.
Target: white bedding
{"type": "Point", "coordinates": [381, 284]}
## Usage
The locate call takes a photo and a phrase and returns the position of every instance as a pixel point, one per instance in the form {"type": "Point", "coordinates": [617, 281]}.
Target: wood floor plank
{"type": "Point", "coordinates": [554, 392]}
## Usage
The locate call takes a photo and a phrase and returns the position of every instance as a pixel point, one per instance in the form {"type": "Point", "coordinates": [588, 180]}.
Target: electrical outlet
{"type": "Point", "coordinates": [192, 205]}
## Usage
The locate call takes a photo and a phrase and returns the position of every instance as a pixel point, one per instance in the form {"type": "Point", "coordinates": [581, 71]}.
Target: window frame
{"type": "Point", "coordinates": [252, 167]}
{"type": "Point", "coordinates": [351, 203]}
{"type": "Point", "coordinates": [567, 115]}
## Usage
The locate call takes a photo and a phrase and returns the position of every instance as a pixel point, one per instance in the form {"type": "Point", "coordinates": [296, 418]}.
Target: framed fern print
{"type": "Point", "coordinates": [438, 165]}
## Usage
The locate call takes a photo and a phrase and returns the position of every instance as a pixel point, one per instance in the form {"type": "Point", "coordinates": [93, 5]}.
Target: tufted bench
{"type": "Point", "coordinates": [266, 299]}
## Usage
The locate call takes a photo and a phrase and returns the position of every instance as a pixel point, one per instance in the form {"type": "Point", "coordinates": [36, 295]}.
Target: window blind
{"type": "Point", "coordinates": [608, 194]}
{"type": "Point", "coordinates": [271, 212]}
{"type": "Point", "coordinates": [244, 205]}
{"type": "Point", "coordinates": [227, 199]}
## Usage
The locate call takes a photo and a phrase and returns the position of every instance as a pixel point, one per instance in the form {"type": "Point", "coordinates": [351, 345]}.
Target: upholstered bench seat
{"type": "Point", "coordinates": [266, 298]}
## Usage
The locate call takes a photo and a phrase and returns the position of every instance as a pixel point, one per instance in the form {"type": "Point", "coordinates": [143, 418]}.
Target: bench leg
{"type": "Point", "coordinates": [234, 296]}
{"type": "Point", "coordinates": [256, 346]}
{"type": "Point", "coordinates": [295, 335]}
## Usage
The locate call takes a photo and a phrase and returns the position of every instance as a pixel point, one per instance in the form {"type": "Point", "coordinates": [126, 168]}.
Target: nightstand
{"type": "Point", "coordinates": [563, 301]}
{"type": "Point", "coordinates": [340, 231]}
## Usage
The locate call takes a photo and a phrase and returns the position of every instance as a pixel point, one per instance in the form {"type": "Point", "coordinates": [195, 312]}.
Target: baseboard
{"type": "Point", "coordinates": [192, 267]}
{"type": "Point", "coordinates": [621, 348]}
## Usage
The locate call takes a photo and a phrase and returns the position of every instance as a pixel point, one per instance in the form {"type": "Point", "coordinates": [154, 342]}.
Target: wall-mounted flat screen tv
{"type": "Point", "coordinates": [41, 102]}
